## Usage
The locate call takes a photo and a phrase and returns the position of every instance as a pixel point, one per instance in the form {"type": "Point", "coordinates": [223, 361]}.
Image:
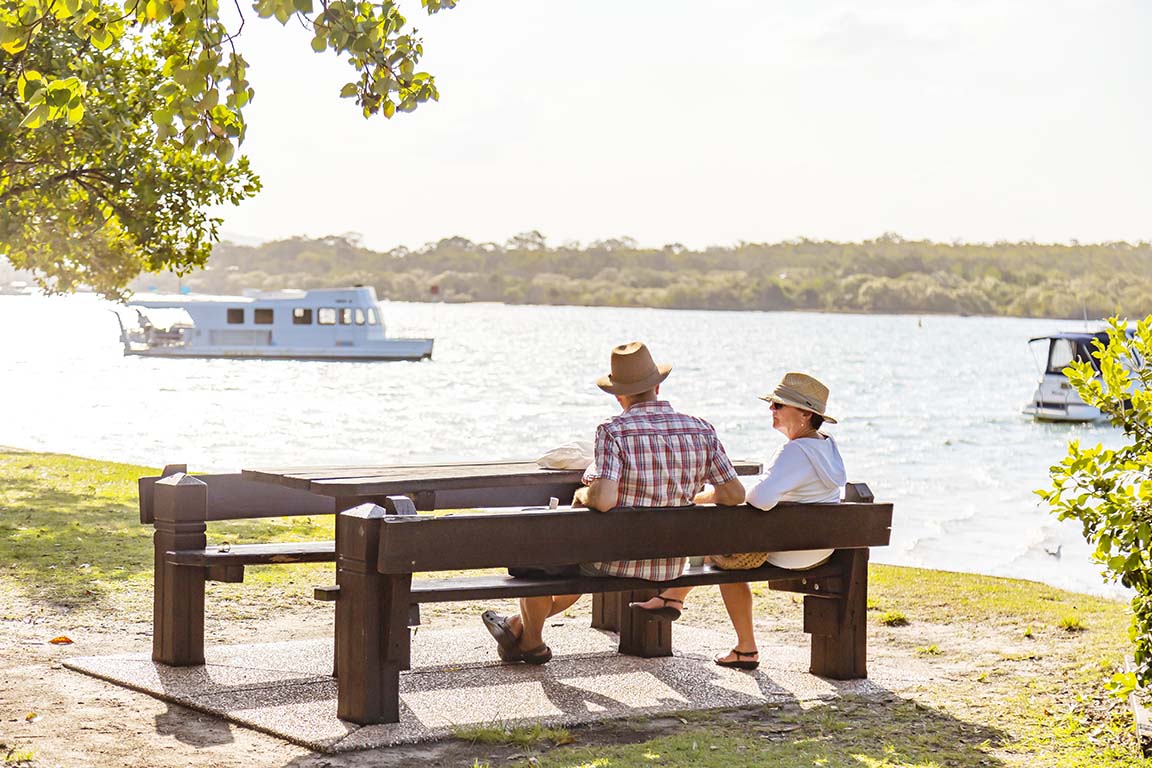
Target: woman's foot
{"type": "Point", "coordinates": [737, 659]}
{"type": "Point", "coordinates": [665, 607]}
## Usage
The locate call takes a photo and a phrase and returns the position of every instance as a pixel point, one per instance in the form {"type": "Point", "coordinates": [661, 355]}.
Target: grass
{"type": "Point", "coordinates": [519, 736]}
{"type": "Point", "coordinates": [893, 619]}
{"type": "Point", "coordinates": [1029, 692]}
{"type": "Point", "coordinates": [1071, 623]}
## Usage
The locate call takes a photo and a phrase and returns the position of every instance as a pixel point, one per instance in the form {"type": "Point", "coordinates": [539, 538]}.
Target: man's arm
{"type": "Point", "coordinates": [727, 494]}
{"type": "Point", "coordinates": [600, 495]}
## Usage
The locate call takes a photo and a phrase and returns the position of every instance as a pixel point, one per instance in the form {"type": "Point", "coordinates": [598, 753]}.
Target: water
{"type": "Point", "coordinates": [929, 407]}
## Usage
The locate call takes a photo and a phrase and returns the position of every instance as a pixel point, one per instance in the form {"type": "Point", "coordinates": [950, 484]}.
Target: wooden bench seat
{"type": "Point", "coordinates": [499, 586]}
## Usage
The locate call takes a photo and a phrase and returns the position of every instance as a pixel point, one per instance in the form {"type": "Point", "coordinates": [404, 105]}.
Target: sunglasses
{"type": "Point", "coordinates": [776, 406]}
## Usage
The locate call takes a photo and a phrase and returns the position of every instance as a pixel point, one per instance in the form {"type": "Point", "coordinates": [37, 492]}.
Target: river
{"type": "Point", "coordinates": [929, 406]}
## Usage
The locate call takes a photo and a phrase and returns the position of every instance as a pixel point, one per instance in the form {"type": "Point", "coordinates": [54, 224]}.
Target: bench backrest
{"type": "Point", "coordinates": [408, 544]}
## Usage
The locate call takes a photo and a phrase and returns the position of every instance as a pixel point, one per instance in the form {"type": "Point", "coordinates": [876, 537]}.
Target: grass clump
{"type": "Point", "coordinates": [893, 619]}
{"type": "Point", "coordinates": [519, 736]}
{"type": "Point", "coordinates": [929, 650]}
{"type": "Point", "coordinates": [1072, 622]}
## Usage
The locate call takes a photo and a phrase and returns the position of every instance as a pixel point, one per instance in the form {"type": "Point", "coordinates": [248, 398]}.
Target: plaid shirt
{"type": "Point", "coordinates": [660, 458]}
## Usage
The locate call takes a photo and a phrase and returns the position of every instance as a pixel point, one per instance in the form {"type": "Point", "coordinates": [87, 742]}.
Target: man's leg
{"type": "Point", "coordinates": [534, 611]}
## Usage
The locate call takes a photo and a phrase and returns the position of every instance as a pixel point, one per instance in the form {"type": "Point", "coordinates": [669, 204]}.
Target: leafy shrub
{"type": "Point", "coordinates": [1110, 491]}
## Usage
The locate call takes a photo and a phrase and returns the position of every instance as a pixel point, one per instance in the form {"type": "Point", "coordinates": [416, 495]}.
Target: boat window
{"type": "Point", "coordinates": [1061, 354]}
{"type": "Point", "coordinates": [262, 316]}
{"type": "Point", "coordinates": [301, 316]}
{"type": "Point", "coordinates": [346, 316]}
{"type": "Point", "coordinates": [359, 316]}
{"type": "Point", "coordinates": [326, 316]}
{"type": "Point", "coordinates": [235, 316]}
{"type": "Point", "coordinates": [371, 316]}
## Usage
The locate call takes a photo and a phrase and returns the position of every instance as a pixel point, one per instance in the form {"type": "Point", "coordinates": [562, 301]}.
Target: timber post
{"type": "Point", "coordinates": [606, 607]}
{"type": "Point", "coordinates": [372, 639]}
{"type": "Point", "coordinates": [839, 625]}
{"type": "Point", "coordinates": [648, 637]}
{"type": "Point", "coordinates": [181, 503]}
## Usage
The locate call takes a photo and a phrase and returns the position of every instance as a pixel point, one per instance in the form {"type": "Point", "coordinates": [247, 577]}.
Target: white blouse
{"type": "Point", "coordinates": [808, 470]}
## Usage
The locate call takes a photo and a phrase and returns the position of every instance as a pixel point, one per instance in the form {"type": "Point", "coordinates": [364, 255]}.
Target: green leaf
{"type": "Point", "coordinates": [36, 118]}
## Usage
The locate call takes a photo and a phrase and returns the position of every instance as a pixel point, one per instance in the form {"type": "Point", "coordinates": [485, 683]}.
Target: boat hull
{"type": "Point", "coordinates": [1071, 412]}
{"type": "Point", "coordinates": [396, 349]}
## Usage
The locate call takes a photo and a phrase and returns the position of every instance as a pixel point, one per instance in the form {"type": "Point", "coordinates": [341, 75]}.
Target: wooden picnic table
{"type": "Point", "coordinates": [448, 485]}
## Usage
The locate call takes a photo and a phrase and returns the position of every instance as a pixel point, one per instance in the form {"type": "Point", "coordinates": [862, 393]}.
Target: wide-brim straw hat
{"type": "Point", "coordinates": [633, 370]}
{"type": "Point", "coordinates": [801, 391]}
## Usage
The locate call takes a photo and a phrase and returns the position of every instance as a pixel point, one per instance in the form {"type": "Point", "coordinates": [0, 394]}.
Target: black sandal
{"type": "Point", "coordinates": [665, 611]}
{"type": "Point", "coordinates": [539, 655]}
{"type": "Point", "coordinates": [739, 662]}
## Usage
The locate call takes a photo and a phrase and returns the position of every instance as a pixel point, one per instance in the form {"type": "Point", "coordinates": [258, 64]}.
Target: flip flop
{"type": "Point", "coordinates": [497, 626]}
{"type": "Point", "coordinates": [539, 655]}
{"type": "Point", "coordinates": [738, 662]}
{"type": "Point", "coordinates": [665, 611]}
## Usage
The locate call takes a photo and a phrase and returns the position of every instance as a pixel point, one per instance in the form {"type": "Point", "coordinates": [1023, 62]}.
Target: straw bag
{"type": "Point", "coordinates": [741, 562]}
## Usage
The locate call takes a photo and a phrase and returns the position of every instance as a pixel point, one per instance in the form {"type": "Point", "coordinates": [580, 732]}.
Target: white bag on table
{"type": "Point", "coordinates": [577, 454]}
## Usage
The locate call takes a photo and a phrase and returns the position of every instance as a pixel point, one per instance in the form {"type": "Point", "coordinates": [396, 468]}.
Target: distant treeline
{"type": "Point", "coordinates": [888, 274]}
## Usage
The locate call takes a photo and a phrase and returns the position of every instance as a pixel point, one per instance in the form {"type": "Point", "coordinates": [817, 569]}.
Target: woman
{"type": "Point", "coordinates": [808, 468]}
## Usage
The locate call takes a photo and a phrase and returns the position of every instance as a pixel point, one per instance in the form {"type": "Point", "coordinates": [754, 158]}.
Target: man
{"type": "Point", "coordinates": [648, 456]}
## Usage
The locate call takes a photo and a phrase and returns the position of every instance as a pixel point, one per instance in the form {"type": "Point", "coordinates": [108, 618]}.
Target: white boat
{"type": "Point", "coordinates": [16, 288]}
{"type": "Point", "coordinates": [1055, 399]}
{"type": "Point", "coordinates": [325, 324]}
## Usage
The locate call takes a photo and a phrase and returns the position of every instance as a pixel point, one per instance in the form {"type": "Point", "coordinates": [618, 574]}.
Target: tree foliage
{"type": "Point", "coordinates": [888, 274]}
{"type": "Point", "coordinates": [1110, 491]}
{"type": "Point", "coordinates": [119, 122]}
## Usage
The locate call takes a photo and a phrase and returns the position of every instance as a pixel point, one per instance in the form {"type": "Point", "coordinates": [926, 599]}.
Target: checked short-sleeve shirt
{"type": "Point", "coordinates": [660, 458]}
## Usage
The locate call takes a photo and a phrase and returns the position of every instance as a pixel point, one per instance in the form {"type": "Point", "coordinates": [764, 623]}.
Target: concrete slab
{"type": "Point", "coordinates": [285, 688]}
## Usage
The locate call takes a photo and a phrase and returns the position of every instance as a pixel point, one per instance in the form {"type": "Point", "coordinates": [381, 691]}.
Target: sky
{"type": "Point", "coordinates": [710, 123]}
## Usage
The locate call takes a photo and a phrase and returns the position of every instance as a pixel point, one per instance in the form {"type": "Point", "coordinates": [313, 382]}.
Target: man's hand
{"type": "Point", "coordinates": [727, 494]}
{"type": "Point", "coordinates": [601, 495]}
{"type": "Point", "coordinates": [580, 498]}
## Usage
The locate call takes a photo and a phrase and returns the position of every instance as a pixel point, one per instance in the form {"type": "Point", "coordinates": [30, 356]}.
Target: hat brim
{"type": "Point", "coordinates": [794, 404]}
{"type": "Point", "coordinates": [634, 387]}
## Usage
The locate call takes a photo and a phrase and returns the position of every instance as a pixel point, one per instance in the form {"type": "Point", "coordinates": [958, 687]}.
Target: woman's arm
{"type": "Point", "coordinates": [788, 471]}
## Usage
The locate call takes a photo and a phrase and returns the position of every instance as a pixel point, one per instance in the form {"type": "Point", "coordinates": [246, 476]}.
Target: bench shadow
{"type": "Point", "coordinates": [853, 723]}
{"type": "Point", "coordinates": [204, 702]}
{"type": "Point", "coordinates": [193, 728]}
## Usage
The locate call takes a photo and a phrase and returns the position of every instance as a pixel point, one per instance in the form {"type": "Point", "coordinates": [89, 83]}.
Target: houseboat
{"type": "Point", "coordinates": [1055, 399]}
{"type": "Point", "coordinates": [325, 324]}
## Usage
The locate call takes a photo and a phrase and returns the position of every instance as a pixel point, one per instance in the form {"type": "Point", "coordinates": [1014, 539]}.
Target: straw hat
{"type": "Point", "coordinates": [801, 391]}
{"type": "Point", "coordinates": [633, 370]}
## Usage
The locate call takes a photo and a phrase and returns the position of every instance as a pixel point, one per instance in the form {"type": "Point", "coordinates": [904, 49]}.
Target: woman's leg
{"type": "Point", "coordinates": [675, 595]}
{"type": "Point", "coordinates": [738, 602]}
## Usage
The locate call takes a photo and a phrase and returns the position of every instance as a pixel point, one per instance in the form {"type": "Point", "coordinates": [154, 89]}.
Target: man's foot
{"type": "Point", "coordinates": [663, 607]}
{"type": "Point", "coordinates": [738, 659]}
{"type": "Point", "coordinates": [503, 632]}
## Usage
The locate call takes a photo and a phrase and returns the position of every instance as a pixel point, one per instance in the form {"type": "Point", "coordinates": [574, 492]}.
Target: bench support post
{"type": "Point", "coordinates": [178, 591]}
{"type": "Point", "coordinates": [372, 639]}
{"type": "Point", "coordinates": [642, 635]}
{"type": "Point", "coordinates": [839, 625]}
{"type": "Point", "coordinates": [606, 610]}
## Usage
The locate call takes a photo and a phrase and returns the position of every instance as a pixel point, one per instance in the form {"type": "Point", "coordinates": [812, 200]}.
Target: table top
{"type": "Point", "coordinates": [414, 478]}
